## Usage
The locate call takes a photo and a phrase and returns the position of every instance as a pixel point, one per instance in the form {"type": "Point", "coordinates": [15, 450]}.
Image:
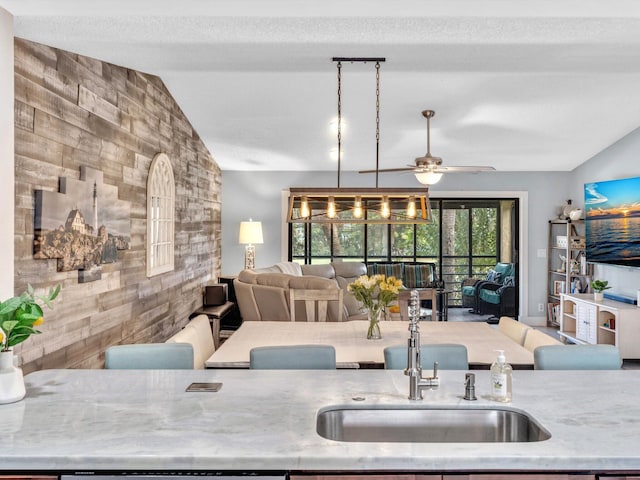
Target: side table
{"type": "Point", "coordinates": [216, 315]}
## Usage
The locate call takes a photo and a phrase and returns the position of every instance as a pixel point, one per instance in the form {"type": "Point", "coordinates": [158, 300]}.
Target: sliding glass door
{"type": "Point", "coordinates": [466, 238]}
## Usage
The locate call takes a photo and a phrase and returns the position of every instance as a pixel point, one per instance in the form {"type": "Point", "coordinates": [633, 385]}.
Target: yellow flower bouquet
{"type": "Point", "coordinates": [376, 292]}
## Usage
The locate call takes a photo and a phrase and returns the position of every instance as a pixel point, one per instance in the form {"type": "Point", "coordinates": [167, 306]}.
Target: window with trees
{"type": "Point", "coordinates": [160, 216]}
{"type": "Point", "coordinates": [466, 238]}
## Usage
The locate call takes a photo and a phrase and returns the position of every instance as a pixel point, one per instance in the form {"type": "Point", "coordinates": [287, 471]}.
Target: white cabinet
{"type": "Point", "coordinates": [586, 322]}
{"type": "Point", "coordinates": [583, 320]}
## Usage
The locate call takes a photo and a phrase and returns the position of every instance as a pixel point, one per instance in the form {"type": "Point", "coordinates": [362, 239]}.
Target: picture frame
{"type": "Point", "coordinates": [558, 287]}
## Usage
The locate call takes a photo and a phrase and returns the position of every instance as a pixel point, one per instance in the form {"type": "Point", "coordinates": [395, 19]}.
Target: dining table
{"type": "Point", "coordinates": [354, 350]}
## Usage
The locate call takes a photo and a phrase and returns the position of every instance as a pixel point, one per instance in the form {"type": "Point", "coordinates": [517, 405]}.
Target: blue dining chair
{"type": "Point", "coordinates": [293, 357]}
{"type": "Point", "coordinates": [577, 357]}
{"type": "Point", "coordinates": [150, 356]}
{"type": "Point", "coordinates": [450, 356]}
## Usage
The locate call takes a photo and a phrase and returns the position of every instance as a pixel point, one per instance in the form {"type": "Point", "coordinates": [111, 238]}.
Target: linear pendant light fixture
{"type": "Point", "coordinates": [359, 205]}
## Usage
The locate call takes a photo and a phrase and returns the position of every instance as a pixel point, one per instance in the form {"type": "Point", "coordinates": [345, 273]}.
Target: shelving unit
{"type": "Point", "coordinates": [585, 321]}
{"type": "Point", "coordinates": [573, 275]}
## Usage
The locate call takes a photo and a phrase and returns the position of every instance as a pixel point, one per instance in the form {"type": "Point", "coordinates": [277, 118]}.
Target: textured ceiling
{"type": "Point", "coordinates": [515, 85]}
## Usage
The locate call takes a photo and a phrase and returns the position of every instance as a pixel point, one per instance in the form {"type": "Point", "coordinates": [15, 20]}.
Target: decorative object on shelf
{"type": "Point", "coordinates": [18, 317]}
{"type": "Point", "coordinates": [561, 241]}
{"type": "Point", "coordinates": [250, 234]}
{"type": "Point", "coordinates": [578, 243]}
{"type": "Point", "coordinates": [575, 266]}
{"type": "Point", "coordinates": [376, 292]}
{"type": "Point", "coordinates": [359, 205]}
{"type": "Point", "coordinates": [575, 214]}
{"type": "Point", "coordinates": [598, 287]}
{"type": "Point", "coordinates": [563, 266]}
{"type": "Point", "coordinates": [566, 210]}
{"type": "Point", "coordinates": [558, 287]}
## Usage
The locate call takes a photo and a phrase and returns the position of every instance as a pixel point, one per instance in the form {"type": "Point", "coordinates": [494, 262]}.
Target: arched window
{"type": "Point", "coordinates": [161, 193]}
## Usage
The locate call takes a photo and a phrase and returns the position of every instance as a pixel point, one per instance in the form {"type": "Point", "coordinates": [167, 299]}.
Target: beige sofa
{"type": "Point", "coordinates": [263, 294]}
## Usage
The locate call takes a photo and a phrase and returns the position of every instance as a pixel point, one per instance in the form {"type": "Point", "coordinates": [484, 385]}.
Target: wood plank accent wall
{"type": "Point", "coordinates": [70, 111]}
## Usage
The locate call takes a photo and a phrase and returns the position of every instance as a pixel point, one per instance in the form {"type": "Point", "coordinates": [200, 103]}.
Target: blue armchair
{"type": "Point", "coordinates": [471, 286]}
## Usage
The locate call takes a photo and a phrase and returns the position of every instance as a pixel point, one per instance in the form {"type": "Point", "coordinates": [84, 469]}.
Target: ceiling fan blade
{"type": "Point", "coordinates": [469, 169]}
{"type": "Point", "coordinates": [387, 170]}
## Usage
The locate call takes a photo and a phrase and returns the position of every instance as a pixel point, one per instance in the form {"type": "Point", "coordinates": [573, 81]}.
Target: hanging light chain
{"type": "Point", "coordinates": [339, 119]}
{"type": "Point", "coordinates": [377, 120]}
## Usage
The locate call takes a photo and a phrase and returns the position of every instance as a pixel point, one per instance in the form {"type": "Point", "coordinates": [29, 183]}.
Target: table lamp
{"type": "Point", "coordinates": [250, 234]}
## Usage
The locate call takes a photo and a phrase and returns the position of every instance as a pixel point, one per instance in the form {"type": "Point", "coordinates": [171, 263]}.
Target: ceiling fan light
{"type": "Point", "coordinates": [428, 177]}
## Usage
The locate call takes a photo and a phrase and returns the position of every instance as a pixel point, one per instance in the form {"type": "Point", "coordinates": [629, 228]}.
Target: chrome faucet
{"type": "Point", "coordinates": [414, 368]}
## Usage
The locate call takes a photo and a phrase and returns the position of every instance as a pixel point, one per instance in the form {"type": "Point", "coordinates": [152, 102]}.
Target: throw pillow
{"type": "Point", "coordinates": [418, 276]}
{"type": "Point", "coordinates": [495, 277]}
{"type": "Point", "coordinates": [391, 269]}
{"type": "Point", "coordinates": [509, 281]}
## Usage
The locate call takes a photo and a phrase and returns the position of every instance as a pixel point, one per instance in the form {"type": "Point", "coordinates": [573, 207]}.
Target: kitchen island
{"type": "Point", "coordinates": [133, 421]}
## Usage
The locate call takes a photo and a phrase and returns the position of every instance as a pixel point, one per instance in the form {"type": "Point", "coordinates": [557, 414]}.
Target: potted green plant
{"type": "Point", "coordinates": [599, 286]}
{"type": "Point", "coordinates": [18, 318]}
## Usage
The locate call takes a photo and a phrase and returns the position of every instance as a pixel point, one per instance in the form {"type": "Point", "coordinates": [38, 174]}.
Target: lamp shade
{"type": "Point", "coordinates": [250, 233]}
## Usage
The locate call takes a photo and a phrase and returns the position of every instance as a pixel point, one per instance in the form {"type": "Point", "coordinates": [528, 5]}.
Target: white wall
{"type": "Point", "coordinates": [620, 160]}
{"type": "Point", "coordinates": [6, 155]}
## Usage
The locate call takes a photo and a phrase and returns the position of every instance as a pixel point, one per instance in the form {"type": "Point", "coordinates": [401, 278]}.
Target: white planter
{"type": "Point", "coordinates": [11, 379]}
{"type": "Point", "coordinates": [598, 296]}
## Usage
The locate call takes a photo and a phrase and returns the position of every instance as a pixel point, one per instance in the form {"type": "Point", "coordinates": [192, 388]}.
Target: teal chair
{"type": "Point", "coordinates": [293, 357]}
{"type": "Point", "coordinates": [150, 356]}
{"type": "Point", "coordinates": [470, 286]}
{"type": "Point", "coordinates": [450, 356]}
{"type": "Point", "coordinates": [577, 357]}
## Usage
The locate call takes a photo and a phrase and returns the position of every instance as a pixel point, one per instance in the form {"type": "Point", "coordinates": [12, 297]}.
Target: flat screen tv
{"type": "Point", "coordinates": [612, 221]}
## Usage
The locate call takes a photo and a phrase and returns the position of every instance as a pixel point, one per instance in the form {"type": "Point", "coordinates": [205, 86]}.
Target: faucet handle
{"type": "Point", "coordinates": [435, 369]}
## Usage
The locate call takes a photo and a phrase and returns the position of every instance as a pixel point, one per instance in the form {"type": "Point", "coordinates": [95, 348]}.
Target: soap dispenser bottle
{"type": "Point", "coordinates": [501, 373]}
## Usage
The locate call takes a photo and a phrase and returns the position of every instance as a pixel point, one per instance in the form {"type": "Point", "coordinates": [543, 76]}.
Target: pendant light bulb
{"type": "Point", "coordinates": [385, 211]}
{"type": "Point", "coordinates": [331, 208]}
{"type": "Point", "coordinates": [304, 208]}
{"type": "Point", "coordinates": [411, 207]}
{"type": "Point", "coordinates": [357, 207]}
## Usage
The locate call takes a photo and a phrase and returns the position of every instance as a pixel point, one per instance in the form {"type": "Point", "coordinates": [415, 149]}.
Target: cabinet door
{"type": "Point", "coordinates": [586, 328]}
{"type": "Point", "coordinates": [366, 476]}
{"type": "Point", "coordinates": [519, 476]}
{"type": "Point", "coordinates": [592, 325]}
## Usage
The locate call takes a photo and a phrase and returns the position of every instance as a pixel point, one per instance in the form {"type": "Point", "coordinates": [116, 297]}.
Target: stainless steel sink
{"type": "Point", "coordinates": [428, 424]}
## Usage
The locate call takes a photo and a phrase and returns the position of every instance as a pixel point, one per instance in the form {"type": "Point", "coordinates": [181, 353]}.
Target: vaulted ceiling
{"type": "Point", "coordinates": [535, 85]}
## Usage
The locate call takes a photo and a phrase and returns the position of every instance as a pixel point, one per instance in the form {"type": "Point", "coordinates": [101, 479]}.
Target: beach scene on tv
{"type": "Point", "coordinates": [612, 220]}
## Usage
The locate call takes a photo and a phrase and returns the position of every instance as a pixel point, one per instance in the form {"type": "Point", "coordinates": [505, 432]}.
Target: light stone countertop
{"type": "Point", "coordinates": [96, 420]}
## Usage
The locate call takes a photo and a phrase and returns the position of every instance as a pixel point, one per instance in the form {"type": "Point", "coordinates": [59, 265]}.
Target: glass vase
{"type": "Point", "coordinates": [373, 333]}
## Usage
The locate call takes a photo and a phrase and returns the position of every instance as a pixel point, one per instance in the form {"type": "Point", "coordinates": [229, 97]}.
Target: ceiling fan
{"type": "Point", "coordinates": [428, 169]}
